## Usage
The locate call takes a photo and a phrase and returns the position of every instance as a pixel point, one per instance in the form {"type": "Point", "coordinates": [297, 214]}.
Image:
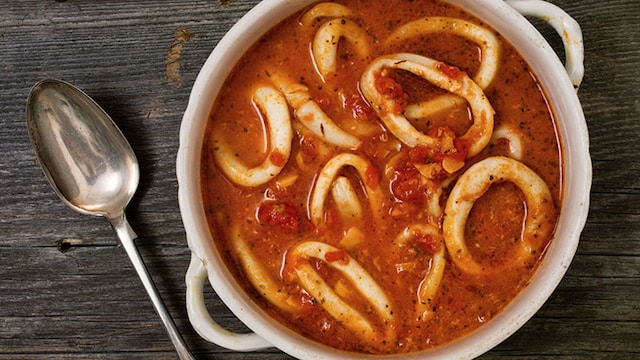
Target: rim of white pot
{"type": "Point", "coordinates": [575, 193]}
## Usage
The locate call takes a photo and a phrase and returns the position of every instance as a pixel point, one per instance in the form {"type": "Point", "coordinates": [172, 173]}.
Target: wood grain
{"type": "Point", "coordinates": [67, 291]}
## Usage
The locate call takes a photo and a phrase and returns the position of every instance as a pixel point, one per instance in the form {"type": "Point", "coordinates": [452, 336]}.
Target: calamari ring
{"type": "Point", "coordinates": [309, 113]}
{"type": "Point", "coordinates": [433, 208]}
{"type": "Point", "coordinates": [274, 106]}
{"type": "Point", "coordinates": [539, 215]}
{"type": "Point", "coordinates": [431, 282]}
{"type": "Point", "coordinates": [327, 9]}
{"type": "Point", "coordinates": [326, 178]}
{"type": "Point", "coordinates": [346, 199]}
{"type": "Point", "coordinates": [478, 134]}
{"type": "Point", "coordinates": [327, 297]}
{"type": "Point", "coordinates": [424, 109]}
{"type": "Point", "coordinates": [325, 43]}
{"type": "Point", "coordinates": [259, 276]}
{"type": "Point", "coordinates": [513, 137]}
{"type": "Point", "coordinates": [485, 38]}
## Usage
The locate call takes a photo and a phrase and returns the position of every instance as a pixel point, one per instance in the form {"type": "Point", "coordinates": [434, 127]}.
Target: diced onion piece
{"type": "Point", "coordinates": [429, 171]}
{"type": "Point", "coordinates": [352, 238]}
{"type": "Point", "coordinates": [539, 218]}
{"type": "Point", "coordinates": [452, 165]}
{"type": "Point", "coordinates": [287, 180]}
{"type": "Point", "coordinates": [342, 289]}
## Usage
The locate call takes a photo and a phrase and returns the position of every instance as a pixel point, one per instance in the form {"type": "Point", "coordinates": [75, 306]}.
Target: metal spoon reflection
{"type": "Point", "coordinates": [92, 167]}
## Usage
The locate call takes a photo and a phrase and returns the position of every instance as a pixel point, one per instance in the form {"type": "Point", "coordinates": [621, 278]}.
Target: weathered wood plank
{"type": "Point", "coordinates": [87, 303]}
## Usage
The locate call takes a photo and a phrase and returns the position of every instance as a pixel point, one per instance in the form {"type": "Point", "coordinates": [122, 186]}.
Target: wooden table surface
{"type": "Point", "coordinates": [68, 291]}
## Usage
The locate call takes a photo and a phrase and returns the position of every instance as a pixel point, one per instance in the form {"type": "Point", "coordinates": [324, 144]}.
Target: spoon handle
{"type": "Point", "coordinates": [126, 236]}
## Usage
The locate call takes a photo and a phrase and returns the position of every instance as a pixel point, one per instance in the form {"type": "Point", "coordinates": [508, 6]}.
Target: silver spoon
{"type": "Point", "coordinates": [92, 167]}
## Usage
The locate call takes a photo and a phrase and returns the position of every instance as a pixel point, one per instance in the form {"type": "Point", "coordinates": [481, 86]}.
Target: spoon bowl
{"type": "Point", "coordinates": [87, 160]}
{"type": "Point", "coordinates": [93, 169]}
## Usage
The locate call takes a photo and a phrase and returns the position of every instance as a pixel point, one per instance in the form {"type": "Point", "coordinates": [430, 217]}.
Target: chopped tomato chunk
{"type": "Point", "coordinates": [372, 176]}
{"type": "Point", "coordinates": [429, 243]}
{"type": "Point", "coordinates": [462, 147]}
{"type": "Point", "coordinates": [282, 215]}
{"type": "Point", "coordinates": [450, 70]}
{"type": "Point", "coordinates": [308, 302]}
{"type": "Point", "coordinates": [420, 154]}
{"type": "Point", "coordinates": [340, 256]}
{"type": "Point", "coordinates": [277, 158]}
{"type": "Point", "coordinates": [390, 88]}
{"type": "Point", "coordinates": [309, 145]}
{"type": "Point", "coordinates": [360, 109]}
{"type": "Point", "coordinates": [406, 186]}
{"type": "Point", "coordinates": [452, 150]}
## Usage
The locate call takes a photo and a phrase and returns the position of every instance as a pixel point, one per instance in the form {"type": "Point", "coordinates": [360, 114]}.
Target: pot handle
{"type": "Point", "coordinates": [202, 322]}
{"type": "Point", "coordinates": [565, 26]}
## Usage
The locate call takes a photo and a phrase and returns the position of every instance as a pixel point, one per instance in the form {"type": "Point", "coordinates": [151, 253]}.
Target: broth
{"type": "Point", "coordinates": [356, 199]}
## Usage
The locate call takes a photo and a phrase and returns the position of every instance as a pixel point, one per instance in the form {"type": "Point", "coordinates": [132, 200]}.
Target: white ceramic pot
{"type": "Point", "coordinates": [559, 82]}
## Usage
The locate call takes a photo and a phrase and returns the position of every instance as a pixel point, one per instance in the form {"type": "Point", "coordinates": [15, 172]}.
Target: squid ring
{"type": "Point", "coordinates": [489, 45]}
{"type": "Point", "coordinates": [483, 37]}
{"type": "Point", "coordinates": [513, 137]}
{"type": "Point", "coordinates": [346, 199]}
{"type": "Point", "coordinates": [327, 176]}
{"type": "Point", "coordinates": [539, 215]}
{"type": "Point", "coordinates": [325, 295]}
{"type": "Point", "coordinates": [258, 275]}
{"type": "Point", "coordinates": [425, 108]}
{"type": "Point", "coordinates": [325, 43]}
{"type": "Point", "coordinates": [478, 134]}
{"type": "Point", "coordinates": [431, 282]}
{"type": "Point", "coordinates": [327, 9]}
{"type": "Point", "coordinates": [309, 113]}
{"type": "Point", "coordinates": [274, 106]}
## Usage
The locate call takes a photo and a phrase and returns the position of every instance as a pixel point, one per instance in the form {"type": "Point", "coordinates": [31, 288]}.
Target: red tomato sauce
{"type": "Point", "coordinates": [273, 217]}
